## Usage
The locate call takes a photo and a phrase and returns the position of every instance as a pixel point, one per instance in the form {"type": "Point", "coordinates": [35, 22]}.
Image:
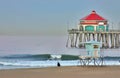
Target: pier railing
{"type": "Point", "coordinates": [114, 30]}
{"type": "Point", "coordinates": [79, 31]}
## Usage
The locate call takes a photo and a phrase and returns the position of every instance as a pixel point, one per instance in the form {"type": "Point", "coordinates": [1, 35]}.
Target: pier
{"type": "Point", "coordinates": [93, 27]}
{"type": "Point", "coordinates": [109, 39]}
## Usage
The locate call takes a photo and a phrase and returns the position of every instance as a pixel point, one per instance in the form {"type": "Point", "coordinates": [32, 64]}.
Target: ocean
{"type": "Point", "coordinates": [35, 52]}
{"type": "Point", "coordinates": [43, 60]}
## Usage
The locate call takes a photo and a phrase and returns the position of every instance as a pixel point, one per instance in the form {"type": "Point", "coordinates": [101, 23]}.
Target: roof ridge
{"type": "Point", "coordinates": [93, 16]}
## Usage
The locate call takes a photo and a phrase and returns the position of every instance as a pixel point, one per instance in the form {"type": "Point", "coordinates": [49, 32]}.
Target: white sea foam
{"type": "Point", "coordinates": [48, 63]}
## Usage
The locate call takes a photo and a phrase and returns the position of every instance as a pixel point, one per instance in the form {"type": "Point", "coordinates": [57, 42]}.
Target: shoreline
{"type": "Point", "coordinates": [63, 72]}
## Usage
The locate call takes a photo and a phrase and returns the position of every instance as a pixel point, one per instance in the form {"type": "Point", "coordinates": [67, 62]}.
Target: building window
{"type": "Point", "coordinates": [100, 28]}
{"type": "Point", "coordinates": [95, 46]}
{"type": "Point", "coordinates": [89, 28]}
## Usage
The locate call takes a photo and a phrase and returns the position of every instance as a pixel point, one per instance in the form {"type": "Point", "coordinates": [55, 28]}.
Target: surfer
{"type": "Point", "coordinates": [58, 64]}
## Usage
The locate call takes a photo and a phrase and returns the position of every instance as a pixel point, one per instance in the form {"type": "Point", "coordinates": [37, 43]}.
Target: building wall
{"type": "Point", "coordinates": [93, 25]}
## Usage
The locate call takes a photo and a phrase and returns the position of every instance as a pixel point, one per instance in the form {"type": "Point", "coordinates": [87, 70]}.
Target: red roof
{"type": "Point", "coordinates": [93, 16]}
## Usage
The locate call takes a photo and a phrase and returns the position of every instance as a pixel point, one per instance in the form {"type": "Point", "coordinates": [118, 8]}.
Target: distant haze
{"type": "Point", "coordinates": [43, 45]}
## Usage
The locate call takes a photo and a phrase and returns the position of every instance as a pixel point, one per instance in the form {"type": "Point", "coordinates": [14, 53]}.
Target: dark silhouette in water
{"type": "Point", "coordinates": [58, 64]}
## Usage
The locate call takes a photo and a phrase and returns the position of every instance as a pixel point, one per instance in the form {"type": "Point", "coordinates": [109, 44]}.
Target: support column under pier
{"type": "Point", "coordinates": [76, 40]}
{"type": "Point", "coordinates": [88, 36]}
{"type": "Point", "coordinates": [93, 36]}
{"type": "Point", "coordinates": [72, 40]}
{"type": "Point", "coordinates": [84, 39]}
{"type": "Point", "coordinates": [107, 40]}
{"type": "Point", "coordinates": [80, 40]}
{"type": "Point", "coordinates": [117, 41]}
{"type": "Point", "coordinates": [103, 41]}
{"type": "Point", "coordinates": [112, 40]}
{"type": "Point", "coordinates": [98, 37]}
{"type": "Point", "coordinates": [67, 44]}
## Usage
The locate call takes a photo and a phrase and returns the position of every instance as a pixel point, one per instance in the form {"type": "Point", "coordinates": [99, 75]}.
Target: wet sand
{"type": "Point", "coordinates": [63, 72]}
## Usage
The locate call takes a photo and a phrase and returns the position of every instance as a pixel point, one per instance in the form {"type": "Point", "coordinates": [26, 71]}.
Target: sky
{"type": "Point", "coordinates": [41, 17]}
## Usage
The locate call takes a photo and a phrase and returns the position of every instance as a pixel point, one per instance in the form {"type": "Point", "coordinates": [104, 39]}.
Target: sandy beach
{"type": "Point", "coordinates": [63, 72]}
